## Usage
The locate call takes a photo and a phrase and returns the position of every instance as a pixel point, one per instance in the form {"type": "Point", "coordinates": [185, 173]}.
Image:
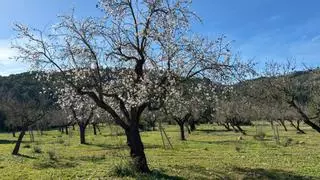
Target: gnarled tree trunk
{"type": "Point", "coordinates": [136, 146]}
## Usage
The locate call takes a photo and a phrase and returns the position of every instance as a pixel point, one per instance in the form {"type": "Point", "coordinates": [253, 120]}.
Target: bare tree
{"type": "Point", "coordinates": [24, 111]}
{"type": "Point", "coordinates": [299, 91]}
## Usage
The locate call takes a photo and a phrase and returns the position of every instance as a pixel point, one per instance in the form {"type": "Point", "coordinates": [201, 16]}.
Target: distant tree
{"type": "Point", "coordinates": [23, 112]}
{"type": "Point", "coordinates": [80, 109]}
{"type": "Point", "coordinates": [187, 102]}
{"type": "Point", "coordinates": [298, 90]}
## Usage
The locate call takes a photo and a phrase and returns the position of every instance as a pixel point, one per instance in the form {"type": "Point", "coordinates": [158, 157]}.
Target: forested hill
{"type": "Point", "coordinates": [25, 83]}
{"type": "Point", "coordinates": [18, 86]}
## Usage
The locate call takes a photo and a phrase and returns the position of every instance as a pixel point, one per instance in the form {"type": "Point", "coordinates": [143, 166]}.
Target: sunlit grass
{"type": "Point", "coordinates": [209, 153]}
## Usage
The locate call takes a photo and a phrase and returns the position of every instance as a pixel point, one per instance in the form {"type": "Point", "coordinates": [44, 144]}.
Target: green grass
{"type": "Point", "coordinates": [209, 153]}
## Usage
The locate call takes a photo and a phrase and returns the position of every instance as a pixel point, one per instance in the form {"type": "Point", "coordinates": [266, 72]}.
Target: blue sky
{"type": "Point", "coordinates": [262, 29]}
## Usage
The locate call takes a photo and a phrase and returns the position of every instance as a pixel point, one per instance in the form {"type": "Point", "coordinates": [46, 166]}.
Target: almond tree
{"type": "Point", "coordinates": [188, 101]}
{"type": "Point", "coordinates": [80, 109]}
{"type": "Point", "coordinates": [24, 110]}
{"type": "Point", "coordinates": [126, 60]}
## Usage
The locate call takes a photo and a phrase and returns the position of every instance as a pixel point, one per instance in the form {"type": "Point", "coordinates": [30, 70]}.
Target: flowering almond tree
{"type": "Point", "coordinates": [80, 109]}
{"type": "Point", "coordinates": [189, 101]}
{"type": "Point", "coordinates": [126, 60]}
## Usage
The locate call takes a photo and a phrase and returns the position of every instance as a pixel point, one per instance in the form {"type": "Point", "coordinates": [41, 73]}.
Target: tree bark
{"type": "Point", "coordinates": [18, 143]}
{"type": "Point", "coordinates": [136, 147]}
{"type": "Point", "coordinates": [82, 134]}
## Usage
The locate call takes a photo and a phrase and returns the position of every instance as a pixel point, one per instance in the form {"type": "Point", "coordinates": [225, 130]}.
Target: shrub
{"type": "Point", "coordinates": [60, 140]}
{"type": "Point", "coordinates": [238, 148]}
{"type": "Point", "coordinates": [52, 155]}
{"type": "Point", "coordinates": [287, 141]}
{"type": "Point", "coordinates": [260, 136]}
{"type": "Point", "coordinates": [124, 169]}
{"type": "Point", "coordinates": [37, 149]}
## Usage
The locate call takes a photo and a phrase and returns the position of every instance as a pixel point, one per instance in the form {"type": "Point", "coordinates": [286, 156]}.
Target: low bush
{"type": "Point", "coordinates": [37, 149]}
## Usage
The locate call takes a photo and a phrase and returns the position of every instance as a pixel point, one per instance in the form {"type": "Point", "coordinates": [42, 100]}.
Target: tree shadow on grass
{"type": "Point", "coordinates": [201, 173]}
{"type": "Point", "coordinates": [124, 146]}
{"type": "Point", "coordinates": [61, 164]}
{"type": "Point", "coordinates": [213, 130]}
{"type": "Point", "coordinates": [216, 142]}
{"type": "Point", "coordinates": [268, 174]}
{"type": "Point", "coordinates": [218, 132]}
{"type": "Point", "coordinates": [158, 174]}
{"type": "Point", "coordinates": [5, 141]}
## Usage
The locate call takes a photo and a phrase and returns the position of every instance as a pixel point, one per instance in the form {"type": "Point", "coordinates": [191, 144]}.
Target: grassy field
{"type": "Point", "coordinates": [209, 153]}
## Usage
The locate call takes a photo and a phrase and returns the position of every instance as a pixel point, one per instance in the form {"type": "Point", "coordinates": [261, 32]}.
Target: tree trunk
{"type": "Point", "coordinates": [283, 125]}
{"type": "Point", "coordinates": [182, 136]}
{"type": "Point", "coordinates": [97, 126]}
{"type": "Point", "coordinates": [18, 143]}
{"type": "Point", "coordinates": [31, 135]}
{"type": "Point", "coordinates": [241, 130]}
{"type": "Point", "coordinates": [61, 130]}
{"type": "Point", "coordinates": [82, 134]}
{"type": "Point", "coordinates": [305, 117]}
{"type": "Point", "coordinates": [234, 129]}
{"type": "Point", "coordinates": [94, 129]}
{"type": "Point", "coordinates": [297, 127]}
{"type": "Point", "coordinates": [192, 124]}
{"type": "Point", "coordinates": [227, 126]}
{"type": "Point", "coordinates": [67, 130]}
{"type": "Point", "coordinates": [153, 126]}
{"type": "Point", "coordinates": [136, 147]}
